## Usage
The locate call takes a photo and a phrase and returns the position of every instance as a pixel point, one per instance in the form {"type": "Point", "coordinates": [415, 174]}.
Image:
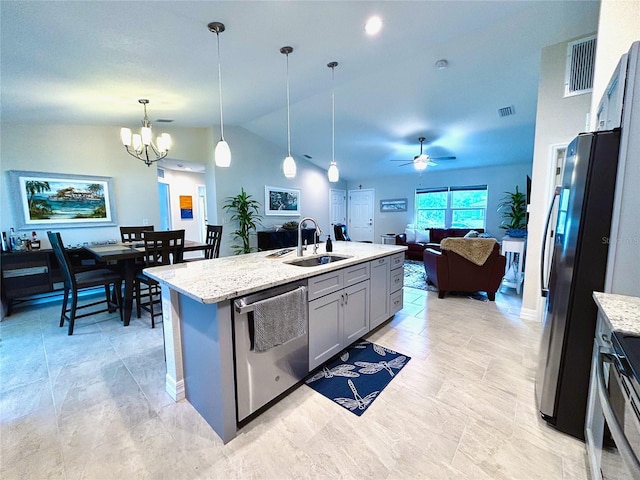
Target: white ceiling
{"type": "Point", "coordinates": [87, 62]}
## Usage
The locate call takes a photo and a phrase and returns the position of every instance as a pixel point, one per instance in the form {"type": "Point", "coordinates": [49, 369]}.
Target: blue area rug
{"type": "Point", "coordinates": [357, 377]}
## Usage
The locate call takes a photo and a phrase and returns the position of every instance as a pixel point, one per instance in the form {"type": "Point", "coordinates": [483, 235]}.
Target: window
{"type": "Point", "coordinates": [451, 207]}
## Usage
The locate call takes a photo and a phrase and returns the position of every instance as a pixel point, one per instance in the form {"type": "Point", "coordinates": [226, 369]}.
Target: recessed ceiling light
{"type": "Point", "coordinates": [373, 25]}
{"type": "Point", "coordinates": [441, 64]}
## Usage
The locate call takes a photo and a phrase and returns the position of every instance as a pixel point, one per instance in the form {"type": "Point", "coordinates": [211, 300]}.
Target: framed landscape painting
{"type": "Point", "coordinates": [281, 201]}
{"type": "Point", "coordinates": [56, 200]}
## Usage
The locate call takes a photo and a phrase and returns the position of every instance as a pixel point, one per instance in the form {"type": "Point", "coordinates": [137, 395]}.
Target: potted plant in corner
{"type": "Point", "coordinates": [513, 209]}
{"type": "Point", "coordinates": [245, 210]}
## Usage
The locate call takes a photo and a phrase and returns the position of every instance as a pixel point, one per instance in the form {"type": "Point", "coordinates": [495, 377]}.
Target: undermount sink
{"type": "Point", "coordinates": [315, 261]}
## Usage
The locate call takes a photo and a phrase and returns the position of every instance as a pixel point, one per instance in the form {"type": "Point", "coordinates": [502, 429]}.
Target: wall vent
{"type": "Point", "coordinates": [160, 173]}
{"type": "Point", "coordinates": [506, 111]}
{"type": "Point", "coordinates": [581, 56]}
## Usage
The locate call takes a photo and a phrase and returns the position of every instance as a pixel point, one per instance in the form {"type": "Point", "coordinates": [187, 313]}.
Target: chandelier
{"type": "Point", "coordinates": [141, 146]}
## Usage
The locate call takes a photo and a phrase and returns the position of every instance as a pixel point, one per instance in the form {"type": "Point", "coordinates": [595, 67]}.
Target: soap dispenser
{"type": "Point", "coordinates": [329, 247]}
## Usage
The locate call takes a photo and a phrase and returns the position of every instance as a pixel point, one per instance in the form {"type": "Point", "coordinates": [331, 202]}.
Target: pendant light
{"type": "Point", "coordinates": [222, 152]}
{"type": "Point", "coordinates": [289, 164]}
{"type": "Point", "coordinates": [333, 173]}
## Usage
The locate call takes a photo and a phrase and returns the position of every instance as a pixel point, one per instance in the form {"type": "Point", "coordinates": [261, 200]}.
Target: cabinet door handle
{"type": "Point", "coordinates": [381, 260]}
{"type": "Point", "coordinates": [342, 299]}
{"type": "Point", "coordinates": [346, 298]}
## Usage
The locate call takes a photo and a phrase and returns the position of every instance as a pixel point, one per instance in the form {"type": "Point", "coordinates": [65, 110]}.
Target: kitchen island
{"type": "Point", "coordinates": [197, 301]}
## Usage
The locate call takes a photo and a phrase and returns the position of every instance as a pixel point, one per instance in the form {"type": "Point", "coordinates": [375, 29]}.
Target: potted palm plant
{"type": "Point", "coordinates": [513, 209]}
{"type": "Point", "coordinates": [244, 209]}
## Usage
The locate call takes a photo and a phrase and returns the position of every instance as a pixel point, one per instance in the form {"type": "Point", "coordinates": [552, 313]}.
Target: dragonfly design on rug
{"type": "Point", "coordinates": [338, 371]}
{"type": "Point", "coordinates": [357, 401]}
{"type": "Point", "coordinates": [369, 368]}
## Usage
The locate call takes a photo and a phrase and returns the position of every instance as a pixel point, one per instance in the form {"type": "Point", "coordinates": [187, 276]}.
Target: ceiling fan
{"type": "Point", "coordinates": [422, 161]}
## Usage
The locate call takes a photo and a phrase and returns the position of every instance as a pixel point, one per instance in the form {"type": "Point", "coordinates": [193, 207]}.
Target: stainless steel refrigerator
{"type": "Point", "coordinates": [580, 250]}
{"type": "Point", "coordinates": [593, 247]}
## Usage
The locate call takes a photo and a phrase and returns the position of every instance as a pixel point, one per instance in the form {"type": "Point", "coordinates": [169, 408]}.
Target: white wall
{"type": "Point", "coordinates": [184, 183]}
{"type": "Point", "coordinates": [618, 28]}
{"type": "Point", "coordinates": [558, 121]}
{"type": "Point", "coordinates": [91, 150]}
{"type": "Point", "coordinates": [255, 163]}
{"type": "Point", "coordinates": [498, 179]}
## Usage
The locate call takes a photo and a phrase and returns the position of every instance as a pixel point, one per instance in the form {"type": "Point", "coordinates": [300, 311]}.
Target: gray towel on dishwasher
{"type": "Point", "coordinates": [280, 319]}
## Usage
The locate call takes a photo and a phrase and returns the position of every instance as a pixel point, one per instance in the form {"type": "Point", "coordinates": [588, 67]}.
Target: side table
{"type": "Point", "coordinates": [388, 239]}
{"type": "Point", "coordinates": [513, 249]}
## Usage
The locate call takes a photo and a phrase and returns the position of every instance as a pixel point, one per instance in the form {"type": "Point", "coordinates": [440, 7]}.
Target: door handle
{"type": "Point", "coordinates": [544, 290]}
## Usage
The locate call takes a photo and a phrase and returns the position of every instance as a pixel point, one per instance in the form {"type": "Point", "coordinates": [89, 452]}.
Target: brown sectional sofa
{"type": "Point", "coordinates": [416, 249]}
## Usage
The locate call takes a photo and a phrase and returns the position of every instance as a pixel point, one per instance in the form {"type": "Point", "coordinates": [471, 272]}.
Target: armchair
{"type": "Point", "coordinates": [450, 271]}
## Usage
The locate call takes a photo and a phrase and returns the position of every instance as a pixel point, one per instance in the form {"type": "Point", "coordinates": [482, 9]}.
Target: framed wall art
{"type": "Point", "coordinates": [393, 205]}
{"type": "Point", "coordinates": [281, 201]}
{"type": "Point", "coordinates": [57, 200]}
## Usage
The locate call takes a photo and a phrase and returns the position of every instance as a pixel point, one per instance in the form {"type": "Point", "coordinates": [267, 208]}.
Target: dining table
{"type": "Point", "coordinates": [125, 255]}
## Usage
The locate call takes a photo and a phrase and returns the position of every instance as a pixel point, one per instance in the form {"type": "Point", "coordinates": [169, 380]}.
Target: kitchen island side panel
{"type": "Point", "coordinates": [207, 347]}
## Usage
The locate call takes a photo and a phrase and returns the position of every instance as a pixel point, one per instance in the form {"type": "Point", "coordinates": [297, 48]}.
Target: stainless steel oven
{"type": "Point", "coordinates": [613, 422]}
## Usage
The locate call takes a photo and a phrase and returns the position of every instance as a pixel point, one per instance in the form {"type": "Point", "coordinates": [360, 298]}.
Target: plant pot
{"type": "Point", "coordinates": [517, 232]}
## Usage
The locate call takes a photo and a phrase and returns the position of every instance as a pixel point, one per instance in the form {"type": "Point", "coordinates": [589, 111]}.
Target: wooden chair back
{"type": "Point", "coordinates": [134, 234]}
{"type": "Point", "coordinates": [163, 248]}
{"type": "Point", "coordinates": [214, 238]}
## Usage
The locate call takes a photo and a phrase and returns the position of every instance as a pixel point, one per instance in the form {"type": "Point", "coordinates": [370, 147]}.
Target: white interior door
{"type": "Point", "coordinates": [360, 208]}
{"type": "Point", "coordinates": [337, 207]}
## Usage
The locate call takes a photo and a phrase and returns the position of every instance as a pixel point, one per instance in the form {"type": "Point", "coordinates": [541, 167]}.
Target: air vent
{"type": "Point", "coordinates": [581, 56]}
{"type": "Point", "coordinates": [164, 120]}
{"type": "Point", "coordinates": [506, 111]}
{"type": "Point", "coordinates": [160, 173]}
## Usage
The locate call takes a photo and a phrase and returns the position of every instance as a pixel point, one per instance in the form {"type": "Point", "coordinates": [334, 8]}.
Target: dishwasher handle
{"type": "Point", "coordinates": [242, 305]}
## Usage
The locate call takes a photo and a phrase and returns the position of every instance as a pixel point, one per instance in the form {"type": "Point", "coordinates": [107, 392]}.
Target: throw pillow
{"type": "Point", "coordinates": [471, 234]}
{"type": "Point", "coordinates": [422, 236]}
{"type": "Point", "coordinates": [411, 235]}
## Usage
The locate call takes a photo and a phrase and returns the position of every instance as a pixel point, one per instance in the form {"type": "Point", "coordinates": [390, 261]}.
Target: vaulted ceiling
{"type": "Point", "coordinates": [78, 62]}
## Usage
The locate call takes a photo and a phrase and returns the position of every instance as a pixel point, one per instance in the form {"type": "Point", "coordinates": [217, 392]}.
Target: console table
{"type": "Point", "coordinates": [272, 239]}
{"type": "Point", "coordinates": [34, 272]}
{"type": "Point", "coordinates": [513, 249]}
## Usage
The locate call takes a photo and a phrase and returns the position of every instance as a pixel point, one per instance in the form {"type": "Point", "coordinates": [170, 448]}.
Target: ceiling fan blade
{"type": "Point", "coordinates": [442, 158]}
{"type": "Point", "coordinates": [431, 164]}
{"type": "Point", "coordinates": [398, 160]}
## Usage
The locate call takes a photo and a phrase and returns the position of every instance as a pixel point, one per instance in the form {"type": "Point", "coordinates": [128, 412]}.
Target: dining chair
{"type": "Point", "coordinates": [214, 238]}
{"type": "Point", "coordinates": [160, 248]}
{"type": "Point", "coordinates": [135, 233]}
{"type": "Point", "coordinates": [77, 281]}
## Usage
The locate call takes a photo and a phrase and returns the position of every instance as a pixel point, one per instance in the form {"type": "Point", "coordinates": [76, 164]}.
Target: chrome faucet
{"type": "Point", "coordinates": [317, 234]}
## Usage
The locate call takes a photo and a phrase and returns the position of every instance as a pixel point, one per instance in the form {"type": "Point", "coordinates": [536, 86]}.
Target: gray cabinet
{"type": "Point", "coordinates": [338, 311]}
{"type": "Point", "coordinates": [396, 283]}
{"type": "Point", "coordinates": [380, 278]}
{"type": "Point", "coordinates": [387, 279]}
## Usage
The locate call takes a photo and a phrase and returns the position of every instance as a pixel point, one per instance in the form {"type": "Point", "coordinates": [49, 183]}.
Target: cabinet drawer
{"type": "Point", "coordinates": [397, 279]}
{"type": "Point", "coordinates": [397, 260]}
{"type": "Point", "coordinates": [356, 274]}
{"type": "Point", "coordinates": [325, 284]}
{"type": "Point", "coordinates": [396, 302]}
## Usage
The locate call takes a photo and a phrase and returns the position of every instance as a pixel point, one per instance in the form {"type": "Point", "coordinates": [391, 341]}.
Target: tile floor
{"type": "Point", "coordinates": [93, 406]}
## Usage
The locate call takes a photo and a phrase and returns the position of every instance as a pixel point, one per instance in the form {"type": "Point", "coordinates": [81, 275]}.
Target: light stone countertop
{"type": "Point", "coordinates": [621, 311]}
{"type": "Point", "coordinates": [212, 281]}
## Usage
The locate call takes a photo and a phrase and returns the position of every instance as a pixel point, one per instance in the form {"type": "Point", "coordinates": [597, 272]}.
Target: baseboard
{"type": "Point", "coordinates": [175, 389]}
{"type": "Point", "coordinates": [529, 314]}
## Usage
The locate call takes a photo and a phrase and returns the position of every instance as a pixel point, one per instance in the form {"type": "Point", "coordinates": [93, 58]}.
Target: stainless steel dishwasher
{"type": "Point", "coordinates": [262, 376]}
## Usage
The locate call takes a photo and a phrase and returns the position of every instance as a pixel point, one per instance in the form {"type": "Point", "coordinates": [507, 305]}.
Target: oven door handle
{"type": "Point", "coordinates": [630, 459]}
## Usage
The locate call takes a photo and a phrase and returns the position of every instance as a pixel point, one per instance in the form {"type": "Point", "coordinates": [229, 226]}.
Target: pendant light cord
{"type": "Point", "coordinates": [333, 116]}
{"type": "Point", "coordinates": [220, 88]}
{"type": "Point", "coordinates": [288, 116]}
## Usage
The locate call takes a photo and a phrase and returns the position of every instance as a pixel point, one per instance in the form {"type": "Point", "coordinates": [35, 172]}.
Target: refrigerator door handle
{"type": "Point", "coordinates": [544, 289]}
